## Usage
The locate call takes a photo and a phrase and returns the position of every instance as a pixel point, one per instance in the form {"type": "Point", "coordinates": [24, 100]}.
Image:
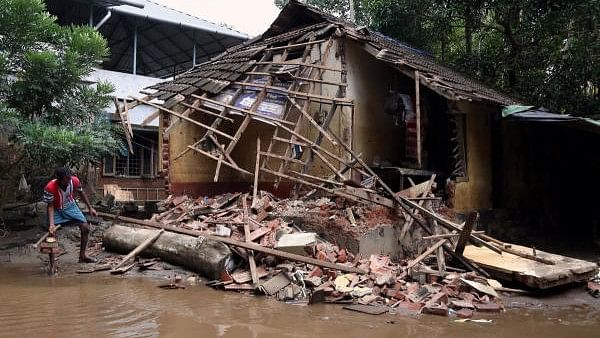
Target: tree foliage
{"type": "Point", "coordinates": [48, 115]}
{"type": "Point", "coordinates": [545, 52]}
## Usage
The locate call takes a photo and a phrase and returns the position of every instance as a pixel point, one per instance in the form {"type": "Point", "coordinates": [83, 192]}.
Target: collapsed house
{"type": "Point", "coordinates": [317, 90]}
{"type": "Point", "coordinates": [316, 104]}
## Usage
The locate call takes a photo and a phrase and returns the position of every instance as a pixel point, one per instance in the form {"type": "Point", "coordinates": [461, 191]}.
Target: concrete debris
{"type": "Point", "coordinates": [297, 251]}
{"type": "Point", "coordinates": [298, 243]}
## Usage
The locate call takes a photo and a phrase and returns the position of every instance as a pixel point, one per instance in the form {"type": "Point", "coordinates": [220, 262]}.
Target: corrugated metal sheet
{"type": "Point", "coordinates": [160, 13]}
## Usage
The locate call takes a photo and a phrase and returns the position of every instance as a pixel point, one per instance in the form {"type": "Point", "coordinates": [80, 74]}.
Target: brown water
{"type": "Point", "coordinates": [33, 304]}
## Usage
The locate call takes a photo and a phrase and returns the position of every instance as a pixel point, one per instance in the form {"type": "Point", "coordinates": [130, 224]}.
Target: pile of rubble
{"type": "Point", "coordinates": [329, 273]}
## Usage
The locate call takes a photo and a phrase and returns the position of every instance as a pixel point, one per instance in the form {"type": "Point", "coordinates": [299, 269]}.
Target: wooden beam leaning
{"type": "Point", "coordinates": [206, 111]}
{"type": "Point", "coordinates": [418, 104]}
{"type": "Point", "coordinates": [410, 222]}
{"type": "Point", "coordinates": [125, 128]}
{"type": "Point", "coordinates": [256, 173]}
{"type": "Point", "coordinates": [214, 124]}
{"type": "Point", "coordinates": [312, 121]}
{"type": "Point", "coordinates": [450, 225]}
{"type": "Point", "coordinates": [186, 118]}
{"type": "Point", "coordinates": [209, 155]}
{"type": "Point", "coordinates": [175, 122]}
{"type": "Point", "coordinates": [280, 157]}
{"type": "Point", "coordinates": [242, 110]}
{"type": "Point", "coordinates": [251, 260]}
{"type": "Point", "coordinates": [139, 249]}
{"type": "Point", "coordinates": [250, 246]}
{"type": "Point", "coordinates": [295, 179]}
{"type": "Point", "coordinates": [301, 95]}
{"type": "Point", "coordinates": [247, 118]}
{"type": "Point", "coordinates": [466, 232]}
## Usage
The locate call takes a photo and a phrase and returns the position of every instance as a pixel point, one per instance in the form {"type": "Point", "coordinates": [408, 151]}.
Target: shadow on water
{"type": "Point", "coordinates": [32, 304]}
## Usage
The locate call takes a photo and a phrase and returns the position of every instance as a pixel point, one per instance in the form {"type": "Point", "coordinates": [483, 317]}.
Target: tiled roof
{"type": "Point", "coordinates": [298, 22]}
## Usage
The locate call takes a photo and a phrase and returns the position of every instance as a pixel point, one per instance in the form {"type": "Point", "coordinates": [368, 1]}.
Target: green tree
{"type": "Point", "coordinates": [544, 52]}
{"type": "Point", "coordinates": [48, 115]}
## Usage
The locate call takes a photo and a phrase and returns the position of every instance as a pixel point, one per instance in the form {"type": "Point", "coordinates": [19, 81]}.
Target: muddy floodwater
{"type": "Point", "coordinates": [100, 305]}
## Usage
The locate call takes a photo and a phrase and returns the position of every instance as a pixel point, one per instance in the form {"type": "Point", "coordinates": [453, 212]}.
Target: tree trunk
{"type": "Point", "coordinates": [207, 257]}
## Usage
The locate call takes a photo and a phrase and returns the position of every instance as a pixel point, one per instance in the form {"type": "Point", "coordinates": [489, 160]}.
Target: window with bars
{"type": "Point", "coordinates": [142, 163]}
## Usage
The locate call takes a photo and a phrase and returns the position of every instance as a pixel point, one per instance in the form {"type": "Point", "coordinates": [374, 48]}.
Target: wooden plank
{"type": "Point", "coordinates": [283, 158]}
{"type": "Point", "coordinates": [216, 142]}
{"type": "Point", "coordinates": [245, 245]}
{"type": "Point", "coordinates": [295, 179]}
{"type": "Point", "coordinates": [418, 190]}
{"type": "Point", "coordinates": [441, 261]}
{"type": "Point", "coordinates": [418, 111]}
{"type": "Point", "coordinates": [218, 168]}
{"type": "Point", "coordinates": [150, 118]}
{"type": "Point", "coordinates": [206, 111]}
{"type": "Point", "coordinates": [424, 191]}
{"type": "Point", "coordinates": [301, 95]}
{"type": "Point", "coordinates": [251, 260]}
{"type": "Point", "coordinates": [256, 173]}
{"type": "Point", "coordinates": [312, 121]}
{"type": "Point", "coordinates": [242, 110]}
{"type": "Point", "coordinates": [450, 225]}
{"type": "Point", "coordinates": [125, 128]}
{"type": "Point", "coordinates": [209, 155]}
{"type": "Point", "coordinates": [139, 249]}
{"type": "Point", "coordinates": [369, 196]}
{"type": "Point", "coordinates": [426, 253]}
{"type": "Point", "coordinates": [183, 117]}
{"type": "Point", "coordinates": [322, 180]}
{"type": "Point", "coordinates": [466, 232]}
{"type": "Point", "coordinates": [513, 268]}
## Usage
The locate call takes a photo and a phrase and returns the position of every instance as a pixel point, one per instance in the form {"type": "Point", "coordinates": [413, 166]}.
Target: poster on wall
{"type": "Point", "coordinates": [272, 105]}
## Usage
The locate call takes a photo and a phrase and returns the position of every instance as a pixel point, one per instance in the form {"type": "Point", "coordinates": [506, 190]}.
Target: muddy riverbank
{"type": "Point", "coordinates": [101, 304]}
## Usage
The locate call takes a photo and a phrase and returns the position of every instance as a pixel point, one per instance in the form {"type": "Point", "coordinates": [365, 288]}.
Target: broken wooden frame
{"type": "Point", "coordinates": [283, 159]}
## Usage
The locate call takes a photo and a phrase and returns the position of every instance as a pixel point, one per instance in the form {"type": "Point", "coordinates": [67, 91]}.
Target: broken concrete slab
{"type": "Point", "coordinates": [301, 243]}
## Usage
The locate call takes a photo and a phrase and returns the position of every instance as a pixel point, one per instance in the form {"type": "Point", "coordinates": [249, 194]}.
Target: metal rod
{"type": "Point", "coordinates": [135, 40]}
{"type": "Point", "coordinates": [104, 19]}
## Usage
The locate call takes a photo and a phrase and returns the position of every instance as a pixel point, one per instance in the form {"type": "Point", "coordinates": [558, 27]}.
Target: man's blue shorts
{"type": "Point", "coordinates": [69, 214]}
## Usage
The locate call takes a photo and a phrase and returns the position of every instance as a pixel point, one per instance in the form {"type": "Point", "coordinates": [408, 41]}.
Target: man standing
{"type": "Point", "coordinates": [62, 208]}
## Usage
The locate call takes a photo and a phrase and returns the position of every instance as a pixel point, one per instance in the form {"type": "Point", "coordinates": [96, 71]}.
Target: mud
{"type": "Point", "coordinates": [100, 304]}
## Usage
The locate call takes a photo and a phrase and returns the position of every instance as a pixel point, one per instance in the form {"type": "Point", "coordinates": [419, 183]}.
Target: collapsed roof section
{"type": "Point", "coordinates": [294, 78]}
{"type": "Point", "coordinates": [297, 19]}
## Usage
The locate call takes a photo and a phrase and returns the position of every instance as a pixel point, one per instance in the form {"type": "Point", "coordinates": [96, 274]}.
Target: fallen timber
{"type": "Point", "coordinates": [207, 257]}
{"type": "Point", "coordinates": [245, 245]}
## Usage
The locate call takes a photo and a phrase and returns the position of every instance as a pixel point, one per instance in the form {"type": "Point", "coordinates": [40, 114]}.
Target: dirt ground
{"type": "Point", "coordinates": [16, 247]}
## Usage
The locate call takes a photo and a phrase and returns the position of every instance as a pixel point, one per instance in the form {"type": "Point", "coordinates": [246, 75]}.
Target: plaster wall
{"type": "Point", "coordinates": [476, 191]}
{"type": "Point", "coordinates": [374, 133]}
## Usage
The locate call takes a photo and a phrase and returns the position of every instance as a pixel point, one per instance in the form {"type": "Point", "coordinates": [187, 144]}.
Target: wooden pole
{"type": "Point", "coordinates": [418, 111]}
{"type": "Point", "coordinates": [251, 260]}
{"type": "Point", "coordinates": [139, 249]}
{"type": "Point", "coordinates": [466, 232]}
{"type": "Point", "coordinates": [245, 245]}
{"type": "Point", "coordinates": [256, 173]}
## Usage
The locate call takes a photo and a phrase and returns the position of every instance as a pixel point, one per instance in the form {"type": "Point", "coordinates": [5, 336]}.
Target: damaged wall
{"type": "Point", "coordinates": [476, 191]}
{"type": "Point", "coordinates": [375, 134]}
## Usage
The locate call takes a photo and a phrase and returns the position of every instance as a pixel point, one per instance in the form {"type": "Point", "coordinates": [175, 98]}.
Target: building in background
{"type": "Point", "coordinates": [148, 43]}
